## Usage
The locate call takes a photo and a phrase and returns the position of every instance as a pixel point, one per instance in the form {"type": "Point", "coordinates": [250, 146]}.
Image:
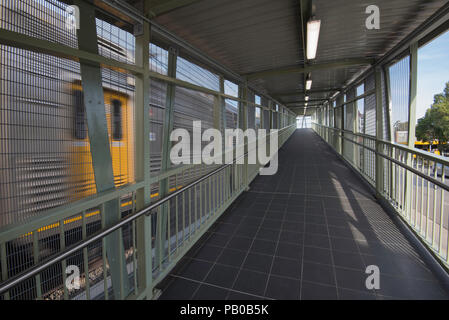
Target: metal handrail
{"type": "Point", "coordinates": [9, 283]}
{"type": "Point", "coordinates": [421, 153]}
{"type": "Point", "coordinates": [407, 167]}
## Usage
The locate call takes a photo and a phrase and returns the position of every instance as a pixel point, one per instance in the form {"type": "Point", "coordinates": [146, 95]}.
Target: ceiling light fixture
{"type": "Point", "coordinates": [313, 33]}
{"type": "Point", "coordinates": [307, 98]}
{"type": "Point", "coordinates": [308, 84]}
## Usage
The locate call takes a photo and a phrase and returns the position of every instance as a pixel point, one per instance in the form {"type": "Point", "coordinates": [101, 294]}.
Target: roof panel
{"type": "Point", "coordinates": [256, 35]}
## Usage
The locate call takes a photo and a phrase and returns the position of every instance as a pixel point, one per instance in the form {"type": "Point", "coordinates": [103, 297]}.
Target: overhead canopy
{"type": "Point", "coordinates": [263, 39]}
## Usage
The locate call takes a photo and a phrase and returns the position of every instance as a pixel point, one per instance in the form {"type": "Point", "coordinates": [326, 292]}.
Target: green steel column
{"type": "Point", "coordinates": [389, 124]}
{"type": "Point", "coordinates": [166, 145]}
{"type": "Point", "coordinates": [379, 133]}
{"type": "Point", "coordinates": [270, 122]}
{"type": "Point", "coordinates": [142, 160]}
{"type": "Point", "coordinates": [220, 110]}
{"type": "Point", "coordinates": [411, 122]}
{"type": "Point", "coordinates": [99, 145]}
{"type": "Point", "coordinates": [270, 114]}
{"type": "Point", "coordinates": [342, 126]}
{"type": "Point", "coordinates": [219, 114]}
{"type": "Point", "coordinates": [352, 128]}
{"type": "Point", "coordinates": [338, 117]}
{"type": "Point", "coordinates": [243, 123]}
{"type": "Point", "coordinates": [223, 106]}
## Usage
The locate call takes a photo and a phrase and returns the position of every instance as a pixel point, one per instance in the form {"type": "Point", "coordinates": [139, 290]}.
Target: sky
{"type": "Point", "coordinates": [433, 71]}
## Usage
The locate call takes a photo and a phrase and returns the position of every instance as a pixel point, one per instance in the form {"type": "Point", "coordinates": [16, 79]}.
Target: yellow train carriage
{"type": "Point", "coordinates": [119, 119]}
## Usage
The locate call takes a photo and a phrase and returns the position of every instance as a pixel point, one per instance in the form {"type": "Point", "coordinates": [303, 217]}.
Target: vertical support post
{"type": "Point", "coordinates": [220, 111]}
{"type": "Point", "coordinates": [243, 123]}
{"type": "Point", "coordinates": [220, 119]}
{"type": "Point", "coordinates": [379, 131]}
{"type": "Point", "coordinates": [166, 144]}
{"type": "Point", "coordinates": [354, 128]}
{"type": "Point", "coordinates": [390, 125]}
{"type": "Point", "coordinates": [389, 103]}
{"type": "Point", "coordinates": [411, 122]}
{"type": "Point", "coordinates": [142, 160]}
{"type": "Point", "coordinates": [99, 144]}
{"type": "Point", "coordinates": [338, 116]}
{"type": "Point", "coordinates": [4, 269]}
{"type": "Point", "coordinates": [342, 125]}
{"type": "Point", "coordinates": [223, 107]}
{"type": "Point", "coordinates": [270, 114]}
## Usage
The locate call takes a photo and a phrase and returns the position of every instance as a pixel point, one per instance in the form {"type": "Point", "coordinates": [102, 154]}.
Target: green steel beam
{"type": "Point", "coordinates": [18, 40]}
{"type": "Point", "coordinates": [413, 93]}
{"type": "Point", "coordinates": [296, 93]}
{"type": "Point", "coordinates": [164, 186]}
{"type": "Point", "coordinates": [243, 124]}
{"type": "Point", "coordinates": [379, 132]}
{"type": "Point", "coordinates": [142, 160]}
{"type": "Point", "coordinates": [159, 7]}
{"type": "Point", "coordinates": [411, 122]}
{"type": "Point", "coordinates": [311, 67]}
{"type": "Point", "coordinates": [304, 101]}
{"type": "Point", "coordinates": [99, 145]}
{"type": "Point", "coordinates": [389, 103]}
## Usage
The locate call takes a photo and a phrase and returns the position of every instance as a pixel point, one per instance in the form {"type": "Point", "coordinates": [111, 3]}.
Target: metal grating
{"type": "Point", "coordinates": [400, 91]}
{"type": "Point", "coordinates": [42, 19]}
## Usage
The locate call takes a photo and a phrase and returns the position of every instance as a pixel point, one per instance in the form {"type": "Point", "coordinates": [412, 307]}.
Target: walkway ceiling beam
{"type": "Point", "coordinates": [304, 101]}
{"type": "Point", "coordinates": [14, 39]}
{"type": "Point", "coordinates": [160, 7]}
{"type": "Point", "coordinates": [311, 67]}
{"type": "Point", "coordinates": [296, 93]}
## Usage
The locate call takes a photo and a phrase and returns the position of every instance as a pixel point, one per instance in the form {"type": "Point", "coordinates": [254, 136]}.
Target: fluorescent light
{"type": "Point", "coordinates": [307, 98]}
{"type": "Point", "coordinates": [308, 84]}
{"type": "Point", "coordinates": [313, 33]}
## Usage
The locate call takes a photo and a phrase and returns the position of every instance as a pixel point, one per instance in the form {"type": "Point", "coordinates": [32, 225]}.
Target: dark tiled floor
{"type": "Point", "coordinates": [308, 232]}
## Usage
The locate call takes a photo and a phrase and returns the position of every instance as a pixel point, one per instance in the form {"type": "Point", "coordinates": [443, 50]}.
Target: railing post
{"type": "Point", "coordinates": [99, 145]}
{"type": "Point", "coordinates": [379, 132]}
{"type": "Point", "coordinates": [164, 186]}
{"type": "Point", "coordinates": [219, 114]}
{"type": "Point", "coordinates": [142, 160]}
{"type": "Point", "coordinates": [243, 124]}
{"type": "Point", "coordinates": [411, 123]}
{"type": "Point", "coordinates": [354, 128]}
{"type": "Point", "coordinates": [342, 127]}
{"type": "Point", "coordinates": [389, 126]}
{"type": "Point", "coordinates": [220, 111]}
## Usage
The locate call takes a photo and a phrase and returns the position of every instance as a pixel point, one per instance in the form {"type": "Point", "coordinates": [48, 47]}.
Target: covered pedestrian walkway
{"type": "Point", "coordinates": [308, 232]}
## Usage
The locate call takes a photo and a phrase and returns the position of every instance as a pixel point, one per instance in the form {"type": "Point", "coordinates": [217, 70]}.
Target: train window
{"type": "Point", "coordinates": [79, 128]}
{"type": "Point", "coordinates": [116, 120]}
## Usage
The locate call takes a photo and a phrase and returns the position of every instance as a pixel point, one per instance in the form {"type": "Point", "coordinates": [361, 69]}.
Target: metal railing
{"type": "Point", "coordinates": [412, 181]}
{"type": "Point", "coordinates": [190, 209]}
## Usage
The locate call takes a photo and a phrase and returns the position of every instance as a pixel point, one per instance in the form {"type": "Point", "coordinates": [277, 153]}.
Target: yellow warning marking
{"type": "Point", "coordinates": [88, 214]}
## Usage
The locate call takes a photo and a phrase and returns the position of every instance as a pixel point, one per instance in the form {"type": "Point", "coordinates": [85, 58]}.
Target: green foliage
{"type": "Point", "coordinates": [435, 124]}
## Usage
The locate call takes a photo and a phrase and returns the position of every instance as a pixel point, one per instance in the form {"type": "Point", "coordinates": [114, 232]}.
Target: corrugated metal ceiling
{"type": "Point", "coordinates": [256, 35]}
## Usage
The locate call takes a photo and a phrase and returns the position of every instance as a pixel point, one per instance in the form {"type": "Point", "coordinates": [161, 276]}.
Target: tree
{"type": "Point", "coordinates": [435, 124]}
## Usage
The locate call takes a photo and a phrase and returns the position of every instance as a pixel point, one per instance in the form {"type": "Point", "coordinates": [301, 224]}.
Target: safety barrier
{"type": "Point", "coordinates": [412, 181]}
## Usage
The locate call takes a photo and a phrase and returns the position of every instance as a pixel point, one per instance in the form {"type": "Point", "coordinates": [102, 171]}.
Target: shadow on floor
{"type": "Point", "coordinates": [308, 232]}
